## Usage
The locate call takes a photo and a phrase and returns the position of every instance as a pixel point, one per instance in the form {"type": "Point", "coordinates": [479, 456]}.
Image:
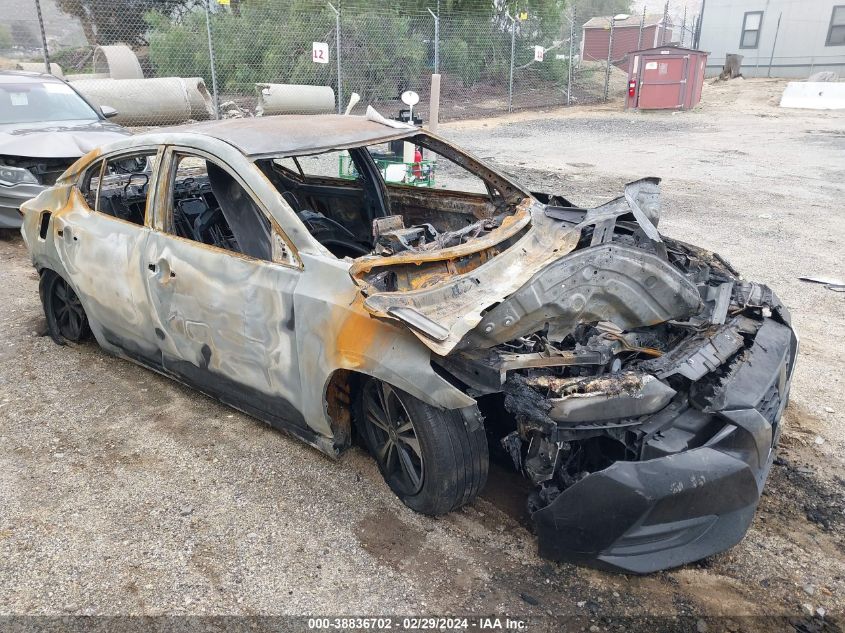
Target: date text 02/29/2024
{"type": "Point", "coordinates": [360, 623]}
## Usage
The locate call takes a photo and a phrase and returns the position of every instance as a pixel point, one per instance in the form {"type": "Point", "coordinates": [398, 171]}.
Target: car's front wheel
{"type": "Point", "coordinates": [66, 319]}
{"type": "Point", "coordinates": [428, 456]}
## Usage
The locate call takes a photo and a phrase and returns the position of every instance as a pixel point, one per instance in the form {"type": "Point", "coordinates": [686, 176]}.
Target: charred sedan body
{"type": "Point", "coordinates": [45, 126]}
{"type": "Point", "coordinates": [638, 382]}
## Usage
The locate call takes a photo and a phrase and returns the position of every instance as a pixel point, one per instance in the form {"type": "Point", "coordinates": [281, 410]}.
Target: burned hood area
{"type": "Point", "coordinates": [635, 380]}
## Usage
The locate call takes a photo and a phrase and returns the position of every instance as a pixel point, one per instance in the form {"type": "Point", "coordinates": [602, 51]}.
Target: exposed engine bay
{"type": "Point", "coordinates": [631, 347]}
{"type": "Point", "coordinates": [579, 400]}
{"type": "Point", "coordinates": [44, 171]}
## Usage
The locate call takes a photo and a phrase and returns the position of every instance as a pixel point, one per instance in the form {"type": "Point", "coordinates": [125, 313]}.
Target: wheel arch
{"type": "Point", "coordinates": [343, 385]}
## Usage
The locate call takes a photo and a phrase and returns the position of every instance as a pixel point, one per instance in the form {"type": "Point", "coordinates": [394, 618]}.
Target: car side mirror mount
{"type": "Point", "coordinates": [108, 111]}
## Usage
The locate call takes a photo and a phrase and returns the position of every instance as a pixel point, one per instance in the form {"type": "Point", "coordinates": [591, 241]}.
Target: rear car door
{"type": "Point", "coordinates": [221, 279]}
{"type": "Point", "coordinates": [101, 242]}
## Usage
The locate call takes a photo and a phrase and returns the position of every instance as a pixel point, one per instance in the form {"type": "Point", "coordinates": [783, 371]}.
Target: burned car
{"type": "Point", "coordinates": [45, 126]}
{"type": "Point", "coordinates": [636, 381]}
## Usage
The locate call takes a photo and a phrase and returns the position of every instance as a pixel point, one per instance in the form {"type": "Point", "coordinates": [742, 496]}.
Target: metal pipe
{"type": "Point", "coordinates": [513, 49]}
{"type": "Point", "coordinates": [337, 53]}
{"type": "Point", "coordinates": [609, 57]}
{"type": "Point", "coordinates": [665, 23]}
{"type": "Point", "coordinates": [775, 43]}
{"type": "Point", "coordinates": [697, 41]}
{"type": "Point", "coordinates": [640, 36]}
{"type": "Point", "coordinates": [211, 60]}
{"type": "Point", "coordinates": [436, 39]}
{"type": "Point", "coordinates": [571, 54]}
{"type": "Point", "coordinates": [43, 37]}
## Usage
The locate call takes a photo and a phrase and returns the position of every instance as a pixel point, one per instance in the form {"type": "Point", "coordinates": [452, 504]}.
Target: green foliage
{"type": "Point", "coordinates": [271, 41]}
{"type": "Point", "coordinates": [474, 48]}
{"type": "Point", "coordinates": [385, 47]}
{"type": "Point", "coordinates": [5, 37]}
{"type": "Point", "coordinates": [120, 20]}
{"type": "Point", "coordinates": [380, 53]}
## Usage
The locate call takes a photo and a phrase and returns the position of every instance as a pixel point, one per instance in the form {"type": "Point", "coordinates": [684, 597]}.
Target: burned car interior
{"type": "Point", "coordinates": [365, 213]}
{"type": "Point", "coordinates": [207, 203]}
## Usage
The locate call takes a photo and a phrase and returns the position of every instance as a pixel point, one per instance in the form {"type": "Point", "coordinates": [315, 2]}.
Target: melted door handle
{"type": "Point", "coordinates": [161, 268]}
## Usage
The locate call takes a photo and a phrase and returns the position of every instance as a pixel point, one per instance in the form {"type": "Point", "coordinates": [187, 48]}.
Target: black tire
{"type": "Point", "coordinates": [451, 463]}
{"type": "Point", "coordinates": [66, 318]}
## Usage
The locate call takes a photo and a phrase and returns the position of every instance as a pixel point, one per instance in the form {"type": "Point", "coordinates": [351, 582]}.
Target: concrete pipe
{"type": "Point", "coordinates": [161, 101]}
{"type": "Point", "coordinates": [294, 99]}
{"type": "Point", "coordinates": [38, 67]}
{"type": "Point", "coordinates": [78, 76]}
{"type": "Point", "coordinates": [119, 61]}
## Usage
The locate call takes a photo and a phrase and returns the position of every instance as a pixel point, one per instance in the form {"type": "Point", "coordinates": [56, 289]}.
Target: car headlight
{"type": "Point", "coordinates": [15, 176]}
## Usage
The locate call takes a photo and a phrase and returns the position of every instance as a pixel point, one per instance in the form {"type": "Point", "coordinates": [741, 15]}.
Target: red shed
{"type": "Point", "coordinates": [665, 78]}
{"type": "Point", "coordinates": [595, 38]}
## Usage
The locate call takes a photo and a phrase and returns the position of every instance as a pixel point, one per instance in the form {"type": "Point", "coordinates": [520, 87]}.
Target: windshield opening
{"type": "Point", "coordinates": [37, 102]}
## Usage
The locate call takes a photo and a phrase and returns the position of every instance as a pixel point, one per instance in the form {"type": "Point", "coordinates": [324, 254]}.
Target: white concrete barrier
{"type": "Point", "coordinates": [814, 95]}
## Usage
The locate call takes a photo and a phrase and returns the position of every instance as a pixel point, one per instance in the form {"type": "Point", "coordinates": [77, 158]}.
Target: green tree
{"type": "Point", "coordinates": [111, 21]}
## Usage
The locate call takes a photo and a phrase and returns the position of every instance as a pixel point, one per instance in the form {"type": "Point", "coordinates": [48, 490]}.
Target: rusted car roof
{"type": "Point", "coordinates": [295, 134]}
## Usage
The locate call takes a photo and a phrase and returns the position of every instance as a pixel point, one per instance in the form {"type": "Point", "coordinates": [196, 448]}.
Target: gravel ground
{"type": "Point", "coordinates": [122, 492]}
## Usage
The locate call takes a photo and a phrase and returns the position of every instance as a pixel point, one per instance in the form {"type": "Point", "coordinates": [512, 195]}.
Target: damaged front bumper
{"type": "Point", "coordinates": [11, 199]}
{"type": "Point", "coordinates": [680, 504]}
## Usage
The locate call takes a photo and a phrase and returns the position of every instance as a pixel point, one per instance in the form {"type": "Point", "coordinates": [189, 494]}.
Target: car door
{"type": "Point", "coordinates": [221, 279]}
{"type": "Point", "coordinates": [101, 243]}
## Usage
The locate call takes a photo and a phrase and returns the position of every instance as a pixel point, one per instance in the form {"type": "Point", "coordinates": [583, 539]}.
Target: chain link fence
{"type": "Point", "coordinates": [199, 59]}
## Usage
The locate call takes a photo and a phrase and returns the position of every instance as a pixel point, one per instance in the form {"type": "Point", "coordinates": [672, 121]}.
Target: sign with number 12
{"type": "Point", "coordinates": [320, 53]}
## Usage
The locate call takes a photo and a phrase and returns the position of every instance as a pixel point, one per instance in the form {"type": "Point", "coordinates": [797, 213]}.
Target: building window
{"type": "Point", "coordinates": [836, 32]}
{"type": "Point", "coordinates": [751, 29]}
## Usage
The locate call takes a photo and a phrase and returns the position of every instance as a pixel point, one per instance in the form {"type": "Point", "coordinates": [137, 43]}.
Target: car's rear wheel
{"type": "Point", "coordinates": [428, 456]}
{"type": "Point", "coordinates": [66, 319]}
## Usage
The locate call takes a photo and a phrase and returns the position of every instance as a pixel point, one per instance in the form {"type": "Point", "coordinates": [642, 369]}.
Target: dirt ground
{"type": "Point", "coordinates": [124, 493]}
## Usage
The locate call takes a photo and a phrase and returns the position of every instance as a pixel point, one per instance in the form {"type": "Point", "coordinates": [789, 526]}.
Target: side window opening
{"type": "Point", "coordinates": [209, 206]}
{"type": "Point", "coordinates": [123, 186]}
{"type": "Point", "coordinates": [90, 184]}
{"type": "Point", "coordinates": [336, 207]}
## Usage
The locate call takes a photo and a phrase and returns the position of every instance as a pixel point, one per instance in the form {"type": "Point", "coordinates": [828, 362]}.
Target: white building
{"type": "Point", "coordinates": [777, 38]}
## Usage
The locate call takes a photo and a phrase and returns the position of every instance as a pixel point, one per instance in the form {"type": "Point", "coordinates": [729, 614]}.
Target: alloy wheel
{"type": "Point", "coordinates": [68, 312]}
{"type": "Point", "coordinates": [392, 437]}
